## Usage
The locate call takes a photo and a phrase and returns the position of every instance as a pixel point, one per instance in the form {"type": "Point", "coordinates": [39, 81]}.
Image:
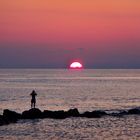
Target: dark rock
{"type": "Point", "coordinates": [11, 116]}
{"type": "Point", "coordinates": [73, 113]}
{"type": "Point", "coordinates": [61, 114]}
{"type": "Point", "coordinates": [119, 114]}
{"type": "Point", "coordinates": [123, 113]}
{"type": "Point", "coordinates": [5, 121]}
{"type": "Point", "coordinates": [100, 112]}
{"type": "Point", "coordinates": [32, 114]}
{"type": "Point", "coordinates": [94, 114]}
{"type": "Point", "coordinates": [55, 114]}
{"type": "Point", "coordinates": [134, 111]}
{"type": "Point", "coordinates": [2, 122]}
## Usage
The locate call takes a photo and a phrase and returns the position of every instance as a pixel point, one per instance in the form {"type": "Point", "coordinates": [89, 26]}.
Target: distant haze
{"type": "Point", "coordinates": [53, 33]}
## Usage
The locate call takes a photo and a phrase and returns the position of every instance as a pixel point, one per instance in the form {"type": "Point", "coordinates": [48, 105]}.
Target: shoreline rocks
{"type": "Point", "coordinates": [31, 114]}
{"type": "Point", "coordinates": [35, 113]}
{"type": "Point", "coordinates": [94, 114]}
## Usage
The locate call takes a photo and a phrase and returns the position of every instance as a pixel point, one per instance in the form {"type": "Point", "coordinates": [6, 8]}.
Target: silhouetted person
{"type": "Point", "coordinates": [33, 100]}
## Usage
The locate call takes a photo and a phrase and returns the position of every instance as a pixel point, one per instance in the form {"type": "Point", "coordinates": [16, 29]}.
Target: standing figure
{"type": "Point", "coordinates": [33, 100]}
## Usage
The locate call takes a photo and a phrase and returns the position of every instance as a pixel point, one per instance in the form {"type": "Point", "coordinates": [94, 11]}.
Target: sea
{"type": "Point", "coordinates": [63, 89]}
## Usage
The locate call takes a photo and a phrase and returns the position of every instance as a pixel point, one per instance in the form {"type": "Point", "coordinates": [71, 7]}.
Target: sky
{"type": "Point", "coordinates": [54, 33]}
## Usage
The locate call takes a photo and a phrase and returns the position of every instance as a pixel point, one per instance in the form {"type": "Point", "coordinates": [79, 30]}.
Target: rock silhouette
{"type": "Point", "coordinates": [55, 114]}
{"type": "Point", "coordinates": [2, 121]}
{"type": "Point", "coordinates": [61, 114]}
{"type": "Point", "coordinates": [73, 112]}
{"type": "Point", "coordinates": [134, 111]}
{"type": "Point", "coordinates": [32, 114]}
{"type": "Point", "coordinates": [94, 114]}
{"type": "Point", "coordinates": [9, 117]}
{"type": "Point", "coordinates": [35, 113]}
{"type": "Point", "coordinates": [120, 114]}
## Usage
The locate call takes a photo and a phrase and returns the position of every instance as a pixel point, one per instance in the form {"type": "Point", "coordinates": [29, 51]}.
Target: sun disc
{"type": "Point", "coordinates": [75, 65]}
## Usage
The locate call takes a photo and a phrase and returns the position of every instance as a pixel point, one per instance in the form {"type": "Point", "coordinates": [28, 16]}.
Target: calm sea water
{"type": "Point", "coordinates": [86, 90]}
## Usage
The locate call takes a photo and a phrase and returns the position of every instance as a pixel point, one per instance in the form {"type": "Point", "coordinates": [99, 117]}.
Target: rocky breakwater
{"type": "Point", "coordinates": [35, 113]}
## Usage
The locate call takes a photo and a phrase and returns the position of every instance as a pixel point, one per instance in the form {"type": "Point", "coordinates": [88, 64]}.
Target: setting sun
{"type": "Point", "coordinates": [76, 65]}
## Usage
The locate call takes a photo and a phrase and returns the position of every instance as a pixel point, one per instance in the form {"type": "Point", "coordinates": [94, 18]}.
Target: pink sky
{"type": "Point", "coordinates": [94, 31]}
